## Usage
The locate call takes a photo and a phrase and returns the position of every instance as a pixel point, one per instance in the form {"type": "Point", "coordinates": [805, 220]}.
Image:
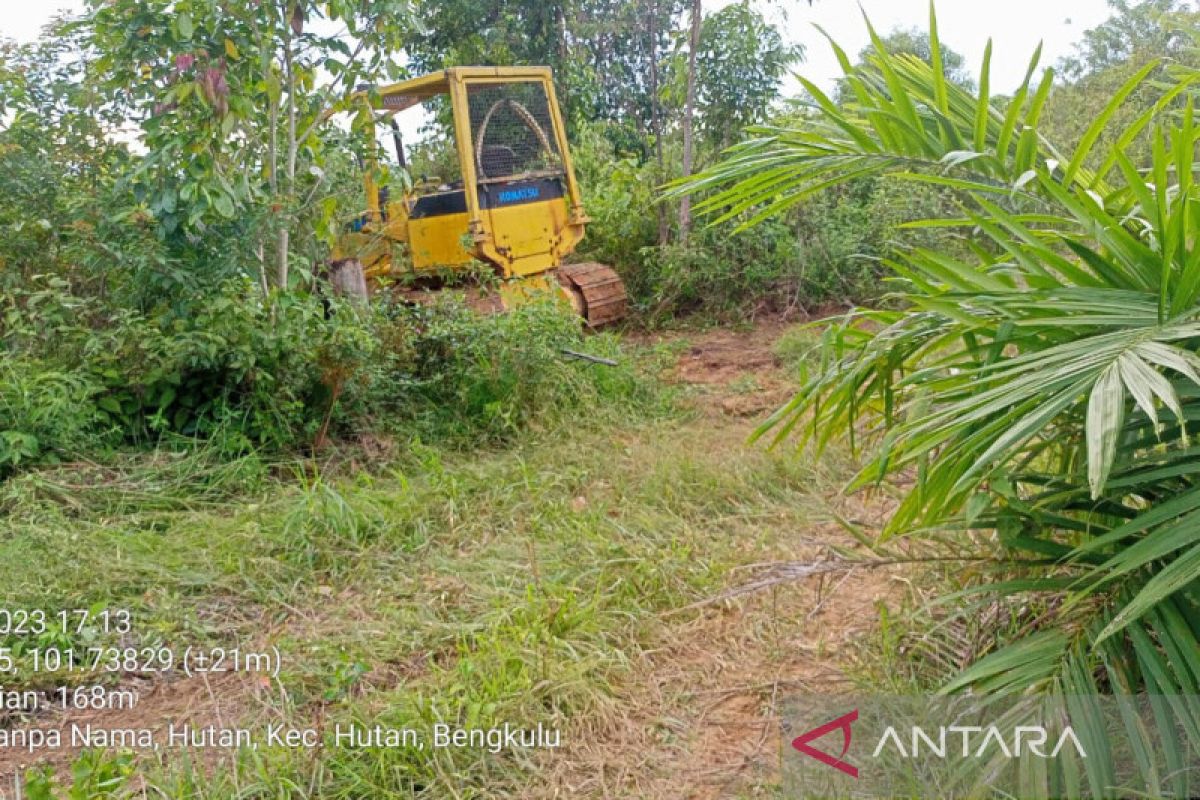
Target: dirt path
{"type": "Point", "coordinates": [703, 719]}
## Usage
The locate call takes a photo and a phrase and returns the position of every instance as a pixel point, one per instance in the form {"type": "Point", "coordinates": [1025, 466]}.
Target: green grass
{"type": "Point", "coordinates": [799, 348]}
{"type": "Point", "coordinates": [512, 584]}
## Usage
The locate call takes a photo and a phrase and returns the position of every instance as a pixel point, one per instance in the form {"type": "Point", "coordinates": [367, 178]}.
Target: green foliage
{"type": "Point", "coordinates": [848, 231]}
{"type": "Point", "coordinates": [234, 365]}
{"type": "Point", "coordinates": [712, 274]}
{"type": "Point", "coordinates": [911, 42]}
{"type": "Point", "coordinates": [61, 206]}
{"type": "Point", "coordinates": [600, 50]}
{"type": "Point", "coordinates": [1134, 33]}
{"type": "Point", "coordinates": [739, 69]}
{"type": "Point", "coordinates": [232, 98]}
{"type": "Point", "coordinates": [491, 376]}
{"type": "Point", "coordinates": [826, 251]}
{"type": "Point", "coordinates": [435, 158]}
{"type": "Point", "coordinates": [722, 275]}
{"type": "Point", "coordinates": [43, 413]}
{"type": "Point", "coordinates": [1043, 385]}
{"type": "Point", "coordinates": [282, 375]}
{"type": "Point", "coordinates": [917, 43]}
{"type": "Point", "coordinates": [619, 195]}
{"type": "Point", "coordinates": [95, 775]}
{"type": "Point", "coordinates": [1162, 32]}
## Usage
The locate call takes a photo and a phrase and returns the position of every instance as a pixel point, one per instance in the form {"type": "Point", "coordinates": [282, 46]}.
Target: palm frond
{"type": "Point", "coordinates": [1043, 382]}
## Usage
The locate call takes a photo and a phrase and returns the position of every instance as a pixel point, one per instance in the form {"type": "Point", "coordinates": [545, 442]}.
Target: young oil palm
{"type": "Point", "coordinates": [1041, 381]}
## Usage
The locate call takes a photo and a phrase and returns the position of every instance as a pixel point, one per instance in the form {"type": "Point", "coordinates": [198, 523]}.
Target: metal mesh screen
{"type": "Point", "coordinates": [512, 131]}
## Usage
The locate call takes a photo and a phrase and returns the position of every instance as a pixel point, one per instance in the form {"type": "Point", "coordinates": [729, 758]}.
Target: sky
{"type": "Point", "coordinates": [1016, 26]}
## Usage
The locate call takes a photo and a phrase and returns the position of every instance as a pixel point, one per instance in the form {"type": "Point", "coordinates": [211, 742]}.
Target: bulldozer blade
{"type": "Point", "coordinates": [598, 288]}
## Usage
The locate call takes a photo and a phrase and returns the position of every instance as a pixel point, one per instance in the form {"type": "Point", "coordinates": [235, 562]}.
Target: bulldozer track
{"type": "Point", "coordinates": [599, 289]}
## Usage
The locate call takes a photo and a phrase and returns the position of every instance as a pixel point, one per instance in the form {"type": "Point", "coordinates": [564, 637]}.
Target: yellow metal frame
{"type": "Point", "coordinates": [554, 226]}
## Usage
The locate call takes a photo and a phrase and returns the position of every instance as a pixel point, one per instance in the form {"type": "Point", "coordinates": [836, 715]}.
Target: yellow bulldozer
{"type": "Point", "coordinates": [513, 204]}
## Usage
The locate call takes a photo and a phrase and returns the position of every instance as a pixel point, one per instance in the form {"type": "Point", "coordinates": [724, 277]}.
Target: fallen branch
{"type": "Point", "coordinates": [608, 362]}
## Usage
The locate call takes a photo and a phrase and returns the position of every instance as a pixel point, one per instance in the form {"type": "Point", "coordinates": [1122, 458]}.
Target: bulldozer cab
{"type": "Point", "coordinates": [513, 203]}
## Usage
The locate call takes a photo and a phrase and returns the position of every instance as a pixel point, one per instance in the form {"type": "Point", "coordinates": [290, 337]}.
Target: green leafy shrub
{"type": "Point", "coordinates": [255, 373]}
{"type": "Point", "coordinates": [245, 373]}
{"type": "Point", "coordinates": [190, 375]}
{"type": "Point", "coordinates": [829, 250]}
{"type": "Point", "coordinates": [619, 194]}
{"type": "Point", "coordinates": [826, 251]}
{"type": "Point", "coordinates": [721, 274]}
{"type": "Point", "coordinates": [493, 375]}
{"type": "Point", "coordinates": [95, 775]}
{"type": "Point", "coordinates": [846, 231]}
{"type": "Point", "coordinates": [43, 413]}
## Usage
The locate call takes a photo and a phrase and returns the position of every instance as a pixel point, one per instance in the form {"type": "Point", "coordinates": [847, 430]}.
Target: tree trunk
{"type": "Point", "coordinates": [348, 279]}
{"type": "Point", "coordinates": [689, 111]}
{"type": "Point", "coordinates": [664, 226]}
{"type": "Point", "coordinates": [273, 179]}
{"type": "Point", "coordinates": [560, 71]}
{"type": "Point", "coordinates": [281, 266]}
{"type": "Point", "coordinates": [293, 147]}
{"type": "Point", "coordinates": [264, 283]}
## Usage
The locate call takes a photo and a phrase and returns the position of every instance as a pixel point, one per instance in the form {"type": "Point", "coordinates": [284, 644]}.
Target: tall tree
{"type": "Point", "coordinates": [656, 116]}
{"type": "Point", "coordinates": [58, 164]}
{"type": "Point", "coordinates": [604, 52]}
{"type": "Point", "coordinates": [1134, 32]}
{"type": "Point", "coordinates": [912, 42]}
{"type": "Point", "coordinates": [1159, 31]}
{"type": "Point", "coordinates": [740, 67]}
{"type": "Point", "coordinates": [689, 111]}
{"type": "Point", "coordinates": [734, 68]}
{"type": "Point", "coordinates": [231, 97]}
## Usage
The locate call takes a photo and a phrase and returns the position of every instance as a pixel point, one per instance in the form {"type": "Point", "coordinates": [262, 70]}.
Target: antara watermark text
{"type": "Point", "coordinates": [978, 742]}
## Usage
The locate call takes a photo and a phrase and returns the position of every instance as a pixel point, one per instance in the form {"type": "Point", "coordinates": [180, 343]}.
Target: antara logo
{"type": "Point", "coordinates": [843, 722]}
{"type": "Point", "coordinates": [976, 742]}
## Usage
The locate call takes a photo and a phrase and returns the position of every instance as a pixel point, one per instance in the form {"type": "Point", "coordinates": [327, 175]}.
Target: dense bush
{"type": "Point", "coordinates": [847, 231]}
{"type": "Point", "coordinates": [281, 374]}
{"type": "Point", "coordinates": [825, 251]}
{"type": "Point", "coordinates": [235, 365]}
{"type": "Point", "coordinates": [721, 273]}
{"type": "Point", "coordinates": [493, 375]}
{"type": "Point", "coordinates": [43, 412]}
{"type": "Point", "coordinates": [619, 192]}
{"type": "Point", "coordinates": [828, 251]}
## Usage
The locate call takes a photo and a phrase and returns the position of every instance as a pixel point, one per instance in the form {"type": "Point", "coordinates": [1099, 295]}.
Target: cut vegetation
{"type": "Point", "coordinates": [572, 579]}
{"type": "Point", "coordinates": [287, 512]}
